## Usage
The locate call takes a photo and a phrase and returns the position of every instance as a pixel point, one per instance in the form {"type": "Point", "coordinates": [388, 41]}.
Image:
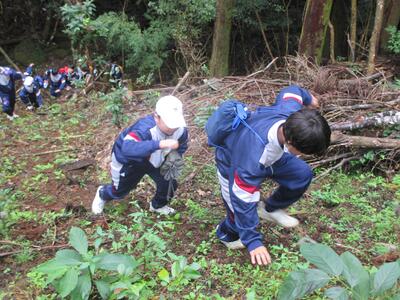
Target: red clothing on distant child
{"type": "Point", "coordinates": [64, 70]}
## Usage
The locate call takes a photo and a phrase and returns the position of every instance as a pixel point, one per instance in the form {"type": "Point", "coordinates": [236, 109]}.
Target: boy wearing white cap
{"type": "Point", "coordinates": [30, 94]}
{"type": "Point", "coordinates": [141, 149]}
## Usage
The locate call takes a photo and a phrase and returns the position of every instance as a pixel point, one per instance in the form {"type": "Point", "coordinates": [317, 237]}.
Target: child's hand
{"type": "Point", "coordinates": [169, 144]}
{"type": "Point", "coordinates": [260, 256]}
{"type": "Point", "coordinates": [314, 102]}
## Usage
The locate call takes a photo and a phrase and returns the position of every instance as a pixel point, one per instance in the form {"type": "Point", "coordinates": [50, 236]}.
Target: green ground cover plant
{"type": "Point", "coordinates": [351, 280]}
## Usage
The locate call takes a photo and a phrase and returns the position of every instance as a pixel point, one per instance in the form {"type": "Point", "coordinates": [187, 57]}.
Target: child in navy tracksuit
{"type": "Point", "coordinates": [30, 92]}
{"type": "Point", "coordinates": [37, 79]}
{"type": "Point", "coordinates": [8, 76]}
{"type": "Point", "coordinates": [141, 149]}
{"type": "Point", "coordinates": [56, 81]}
{"type": "Point", "coordinates": [244, 163]}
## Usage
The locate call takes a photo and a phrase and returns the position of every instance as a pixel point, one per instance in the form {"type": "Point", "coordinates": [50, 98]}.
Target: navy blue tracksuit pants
{"type": "Point", "coordinates": [126, 177]}
{"type": "Point", "coordinates": [291, 173]}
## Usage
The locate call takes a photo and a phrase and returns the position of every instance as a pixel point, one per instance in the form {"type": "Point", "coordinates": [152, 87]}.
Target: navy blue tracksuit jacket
{"type": "Point", "coordinates": [244, 163]}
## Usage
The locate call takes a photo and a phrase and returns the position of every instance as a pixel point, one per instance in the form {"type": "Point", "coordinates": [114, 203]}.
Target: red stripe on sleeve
{"type": "Point", "coordinates": [290, 96]}
{"type": "Point", "coordinates": [134, 136]}
{"type": "Point", "coordinates": [245, 186]}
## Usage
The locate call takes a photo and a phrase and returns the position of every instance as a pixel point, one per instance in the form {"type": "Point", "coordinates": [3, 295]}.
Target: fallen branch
{"type": "Point", "coordinates": [183, 79]}
{"type": "Point", "coordinates": [140, 92]}
{"type": "Point", "coordinates": [9, 59]}
{"type": "Point", "coordinates": [49, 152]}
{"type": "Point", "coordinates": [364, 142]}
{"type": "Point", "coordinates": [35, 248]}
{"type": "Point", "coordinates": [330, 159]}
{"type": "Point", "coordinates": [90, 85]}
{"type": "Point", "coordinates": [263, 70]}
{"type": "Point", "coordinates": [362, 106]}
{"type": "Point", "coordinates": [339, 165]}
{"type": "Point", "coordinates": [380, 119]}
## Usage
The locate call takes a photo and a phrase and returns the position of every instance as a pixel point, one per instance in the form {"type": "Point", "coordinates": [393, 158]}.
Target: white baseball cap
{"type": "Point", "coordinates": [28, 81]}
{"type": "Point", "coordinates": [169, 108]}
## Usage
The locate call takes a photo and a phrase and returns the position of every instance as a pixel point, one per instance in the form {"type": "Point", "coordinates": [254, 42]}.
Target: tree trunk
{"type": "Point", "coordinates": [219, 64]}
{"type": "Point", "coordinates": [264, 36]}
{"type": "Point", "coordinates": [374, 41]}
{"type": "Point", "coordinates": [313, 32]}
{"type": "Point", "coordinates": [391, 17]}
{"type": "Point", "coordinates": [353, 30]}
{"type": "Point", "coordinates": [340, 18]}
{"type": "Point", "coordinates": [332, 43]}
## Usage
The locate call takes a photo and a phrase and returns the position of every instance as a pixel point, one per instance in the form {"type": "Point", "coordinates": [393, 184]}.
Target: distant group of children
{"type": "Point", "coordinates": [56, 80]}
{"type": "Point", "coordinates": [254, 146]}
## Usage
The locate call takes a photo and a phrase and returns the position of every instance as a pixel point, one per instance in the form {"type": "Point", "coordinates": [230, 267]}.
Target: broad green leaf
{"type": "Point", "coordinates": [386, 277]}
{"type": "Point", "coordinates": [323, 257]}
{"type": "Point", "coordinates": [300, 283]}
{"type": "Point", "coordinates": [82, 289]}
{"type": "Point", "coordinates": [353, 271]}
{"type": "Point", "coordinates": [163, 275]}
{"type": "Point", "coordinates": [175, 269]}
{"type": "Point", "coordinates": [50, 266]}
{"type": "Point", "coordinates": [53, 269]}
{"type": "Point", "coordinates": [195, 266]}
{"type": "Point", "coordinates": [182, 263]}
{"type": "Point", "coordinates": [137, 288]}
{"type": "Point", "coordinates": [293, 286]}
{"type": "Point", "coordinates": [68, 282]}
{"type": "Point", "coordinates": [68, 257]}
{"type": "Point", "coordinates": [314, 279]}
{"type": "Point", "coordinates": [192, 273]}
{"type": "Point", "coordinates": [121, 269]}
{"type": "Point", "coordinates": [396, 297]}
{"type": "Point", "coordinates": [110, 262]}
{"type": "Point", "coordinates": [78, 240]}
{"type": "Point", "coordinates": [361, 290]}
{"type": "Point", "coordinates": [103, 288]}
{"type": "Point", "coordinates": [337, 293]}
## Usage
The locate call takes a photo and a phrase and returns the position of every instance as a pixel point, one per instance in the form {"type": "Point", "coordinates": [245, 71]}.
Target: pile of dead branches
{"type": "Point", "coordinates": [363, 111]}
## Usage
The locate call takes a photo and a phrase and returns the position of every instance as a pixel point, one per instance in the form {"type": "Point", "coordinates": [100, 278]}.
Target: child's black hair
{"type": "Point", "coordinates": [307, 131]}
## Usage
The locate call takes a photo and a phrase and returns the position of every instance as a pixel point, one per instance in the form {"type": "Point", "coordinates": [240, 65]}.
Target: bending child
{"type": "Point", "coordinates": [244, 162]}
{"type": "Point", "coordinates": [8, 76]}
{"type": "Point", "coordinates": [30, 92]}
{"type": "Point", "coordinates": [142, 149]}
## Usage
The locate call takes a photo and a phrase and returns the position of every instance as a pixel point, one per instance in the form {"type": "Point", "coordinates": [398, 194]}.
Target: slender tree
{"type": "Point", "coordinates": [353, 30]}
{"type": "Point", "coordinates": [219, 64]}
{"type": "Point", "coordinates": [315, 23]}
{"type": "Point", "coordinates": [391, 17]}
{"type": "Point", "coordinates": [374, 40]}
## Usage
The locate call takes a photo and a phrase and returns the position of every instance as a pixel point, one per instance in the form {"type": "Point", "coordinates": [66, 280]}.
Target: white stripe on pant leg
{"type": "Point", "coordinates": [224, 183]}
{"type": "Point", "coordinates": [115, 170]}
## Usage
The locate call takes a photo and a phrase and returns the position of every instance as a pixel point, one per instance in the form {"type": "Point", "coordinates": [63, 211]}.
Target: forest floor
{"type": "Point", "coordinates": [350, 211]}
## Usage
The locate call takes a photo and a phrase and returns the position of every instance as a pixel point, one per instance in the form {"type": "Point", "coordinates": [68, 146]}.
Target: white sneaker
{"type": "Point", "coordinates": [29, 107]}
{"type": "Point", "coordinates": [235, 245]}
{"type": "Point", "coordinates": [98, 203]}
{"type": "Point", "coordinates": [165, 210]}
{"type": "Point", "coordinates": [15, 116]}
{"type": "Point", "coordinates": [10, 117]}
{"type": "Point", "coordinates": [278, 216]}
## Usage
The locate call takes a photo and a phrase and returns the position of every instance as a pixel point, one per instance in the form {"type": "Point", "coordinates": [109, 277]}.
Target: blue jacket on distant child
{"type": "Point", "coordinates": [56, 81]}
{"type": "Point", "coordinates": [8, 76]}
{"type": "Point", "coordinates": [30, 93]}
